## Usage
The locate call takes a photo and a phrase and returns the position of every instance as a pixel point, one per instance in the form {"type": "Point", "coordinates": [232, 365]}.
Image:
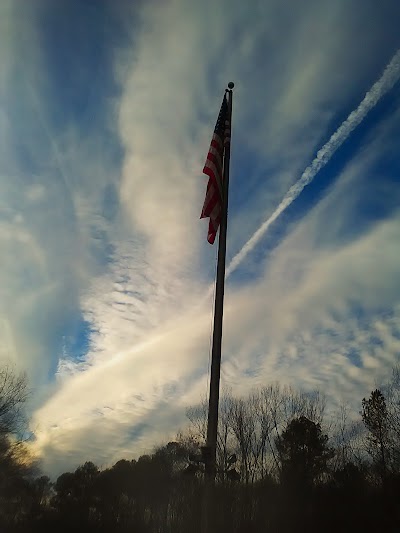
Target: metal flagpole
{"type": "Point", "coordinates": [212, 426]}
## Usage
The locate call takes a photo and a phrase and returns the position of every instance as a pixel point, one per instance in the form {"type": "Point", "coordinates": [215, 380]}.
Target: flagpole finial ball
{"type": "Point", "coordinates": [231, 85]}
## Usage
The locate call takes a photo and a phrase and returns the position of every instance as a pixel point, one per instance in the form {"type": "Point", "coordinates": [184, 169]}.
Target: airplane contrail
{"type": "Point", "coordinates": [53, 144]}
{"type": "Point", "coordinates": [390, 76]}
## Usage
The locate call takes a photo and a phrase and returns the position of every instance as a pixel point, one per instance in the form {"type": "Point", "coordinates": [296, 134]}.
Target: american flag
{"type": "Point", "coordinates": [213, 167]}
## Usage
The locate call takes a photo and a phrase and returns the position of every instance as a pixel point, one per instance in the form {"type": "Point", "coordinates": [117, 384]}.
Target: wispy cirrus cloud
{"type": "Point", "coordinates": [104, 189]}
{"type": "Point", "coordinates": [324, 314]}
{"type": "Point", "coordinates": [385, 83]}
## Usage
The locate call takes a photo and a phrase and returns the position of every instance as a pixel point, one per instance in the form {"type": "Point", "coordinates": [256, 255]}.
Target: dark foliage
{"type": "Point", "coordinates": [281, 468]}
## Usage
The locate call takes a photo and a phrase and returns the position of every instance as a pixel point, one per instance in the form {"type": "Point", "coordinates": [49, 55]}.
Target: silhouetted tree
{"type": "Point", "coordinates": [13, 395]}
{"type": "Point", "coordinates": [303, 452]}
{"type": "Point", "coordinates": [375, 417]}
{"type": "Point", "coordinates": [16, 464]}
{"type": "Point", "coordinates": [76, 496]}
{"type": "Point", "coordinates": [273, 437]}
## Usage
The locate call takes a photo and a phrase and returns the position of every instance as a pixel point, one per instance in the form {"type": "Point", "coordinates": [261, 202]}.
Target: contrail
{"type": "Point", "coordinates": [390, 76]}
{"type": "Point", "coordinates": [53, 144]}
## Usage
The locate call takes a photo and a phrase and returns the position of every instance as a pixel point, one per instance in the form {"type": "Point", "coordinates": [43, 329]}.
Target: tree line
{"type": "Point", "coordinates": [286, 462]}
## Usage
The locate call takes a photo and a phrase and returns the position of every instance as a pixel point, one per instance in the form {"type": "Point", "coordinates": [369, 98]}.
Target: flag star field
{"type": "Point", "coordinates": [107, 110]}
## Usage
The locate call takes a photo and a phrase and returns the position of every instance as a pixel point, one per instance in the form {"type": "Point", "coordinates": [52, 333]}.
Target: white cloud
{"type": "Point", "coordinates": [384, 84]}
{"type": "Point", "coordinates": [120, 244]}
{"type": "Point", "coordinates": [295, 324]}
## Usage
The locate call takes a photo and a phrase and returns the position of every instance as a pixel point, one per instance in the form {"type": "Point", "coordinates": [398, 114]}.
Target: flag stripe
{"type": "Point", "coordinates": [214, 173]}
{"type": "Point", "coordinates": [215, 156]}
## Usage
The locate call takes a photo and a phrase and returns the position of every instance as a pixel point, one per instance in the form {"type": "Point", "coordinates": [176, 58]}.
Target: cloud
{"type": "Point", "coordinates": [314, 319]}
{"type": "Point", "coordinates": [385, 83]}
{"type": "Point", "coordinates": [107, 263]}
{"type": "Point", "coordinates": [53, 232]}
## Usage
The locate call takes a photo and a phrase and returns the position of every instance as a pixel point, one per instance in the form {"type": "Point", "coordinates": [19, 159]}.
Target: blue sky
{"type": "Point", "coordinates": [106, 113]}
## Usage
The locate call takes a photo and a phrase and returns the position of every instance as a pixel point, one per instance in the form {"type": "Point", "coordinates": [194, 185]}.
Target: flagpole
{"type": "Point", "coordinates": [212, 425]}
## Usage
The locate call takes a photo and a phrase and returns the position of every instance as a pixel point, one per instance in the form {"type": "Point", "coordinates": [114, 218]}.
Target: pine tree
{"type": "Point", "coordinates": [304, 453]}
{"type": "Point", "coordinates": [375, 417]}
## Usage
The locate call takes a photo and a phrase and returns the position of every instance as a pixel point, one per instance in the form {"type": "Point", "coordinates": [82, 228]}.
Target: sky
{"type": "Point", "coordinates": [106, 112]}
